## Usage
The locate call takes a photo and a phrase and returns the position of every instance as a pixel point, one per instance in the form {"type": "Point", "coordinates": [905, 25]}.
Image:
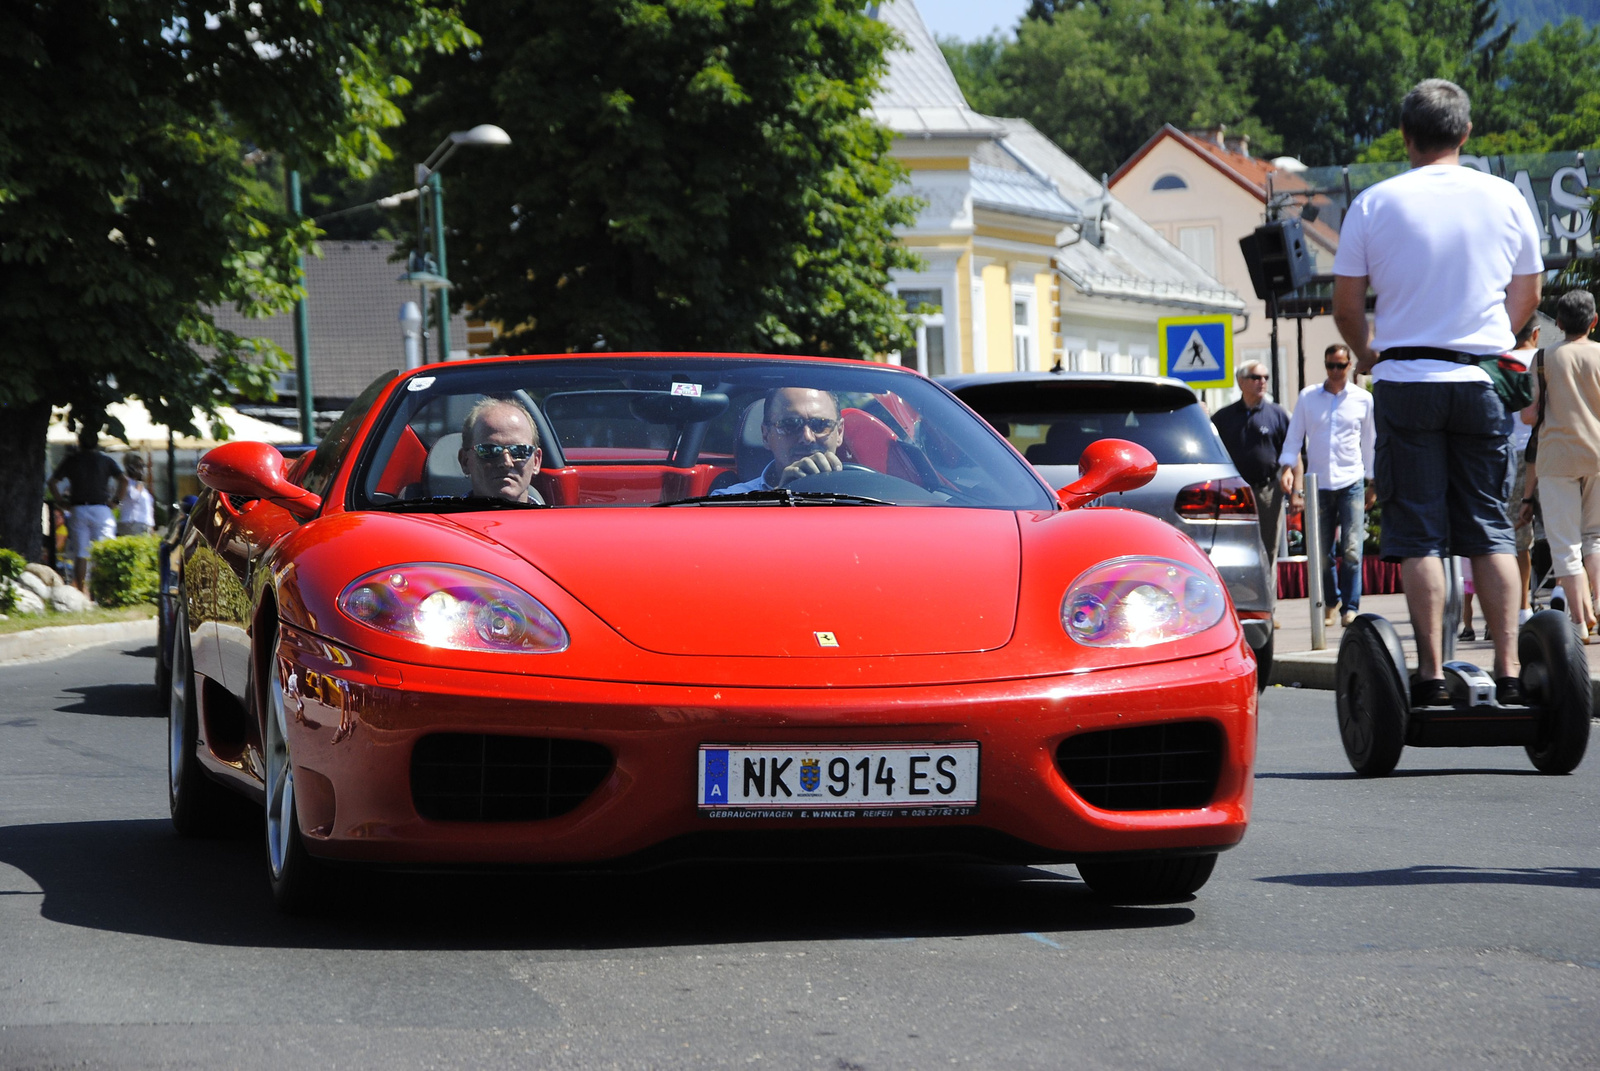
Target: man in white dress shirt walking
{"type": "Point", "coordinates": [1333, 420]}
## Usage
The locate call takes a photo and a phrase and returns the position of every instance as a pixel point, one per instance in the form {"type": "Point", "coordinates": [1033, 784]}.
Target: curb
{"type": "Point", "coordinates": [1315, 669]}
{"type": "Point", "coordinates": [58, 641]}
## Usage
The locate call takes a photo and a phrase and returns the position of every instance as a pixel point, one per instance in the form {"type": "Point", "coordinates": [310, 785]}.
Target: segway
{"type": "Point", "coordinates": [1377, 720]}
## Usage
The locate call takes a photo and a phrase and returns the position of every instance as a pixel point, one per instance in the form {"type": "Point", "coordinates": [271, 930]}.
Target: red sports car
{"type": "Point", "coordinates": [619, 609]}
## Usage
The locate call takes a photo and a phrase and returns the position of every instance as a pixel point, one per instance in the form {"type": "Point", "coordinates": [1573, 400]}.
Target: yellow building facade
{"type": "Point", "coordinates": [1030, 263]}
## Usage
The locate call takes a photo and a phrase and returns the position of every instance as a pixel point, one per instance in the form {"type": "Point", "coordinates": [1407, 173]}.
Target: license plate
{"type": "Point", "coordinates": [838, 780]}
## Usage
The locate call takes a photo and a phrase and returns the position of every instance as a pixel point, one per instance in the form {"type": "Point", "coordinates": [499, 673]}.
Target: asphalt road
{"type": "Point", "coordinates": [1445, 917]}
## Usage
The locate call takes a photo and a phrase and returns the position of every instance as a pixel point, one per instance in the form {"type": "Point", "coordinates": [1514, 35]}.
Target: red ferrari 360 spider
{"type": "Point", "coordinates": [617, 609]}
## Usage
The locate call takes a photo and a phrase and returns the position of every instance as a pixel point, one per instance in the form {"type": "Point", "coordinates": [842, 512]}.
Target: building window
{"type": "Point", "coordinates": [927, 309]}
{"type": "Point", "coordinates": [1022, 333]}
{"type": "Point", "coordinates": [1199, 244]}
{"type": "Point", "coordinates": [1170, 182]}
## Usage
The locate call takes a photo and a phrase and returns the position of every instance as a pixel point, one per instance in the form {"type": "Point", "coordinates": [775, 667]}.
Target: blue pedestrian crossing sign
{"type": "Point", "coordinates": [1197, 350]}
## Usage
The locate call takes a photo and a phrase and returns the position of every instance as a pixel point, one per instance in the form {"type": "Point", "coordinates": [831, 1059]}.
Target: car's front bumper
{"type": "Point", "coordinates": [354, 721]}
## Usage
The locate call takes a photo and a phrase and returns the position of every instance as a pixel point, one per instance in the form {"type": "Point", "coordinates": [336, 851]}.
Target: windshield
{"type": "Point", "coordinates": [1051, 422]}
{"type": "Point", "coordinates": [680, 430]}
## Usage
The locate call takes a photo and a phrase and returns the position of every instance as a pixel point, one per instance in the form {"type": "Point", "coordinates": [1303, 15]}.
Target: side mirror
{"type": "Point", "coordinates": [255, 470]}
{"type": "Point", "coordinates": [1106, 467]}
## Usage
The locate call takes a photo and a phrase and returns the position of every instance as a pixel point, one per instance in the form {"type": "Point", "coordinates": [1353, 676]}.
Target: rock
{"type": "Point", "coordinates": [33, 583]}
{"type": "Point", "coordinates": [66, 599]}
{"type": "Point", "coordinates": [47, 575]}
{"type": "Point", "coordinates": [28, 602]}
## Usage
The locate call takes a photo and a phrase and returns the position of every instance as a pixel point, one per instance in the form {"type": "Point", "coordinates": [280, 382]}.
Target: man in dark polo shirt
{"type": "Point", "coordinates": [1253, 430]}
{"type": "Point", "coordinates": [89, 475]}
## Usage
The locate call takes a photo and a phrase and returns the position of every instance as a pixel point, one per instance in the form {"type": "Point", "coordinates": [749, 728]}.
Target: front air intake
{"type": "Point", "coordinates": [1162, 767]}
{"type": "Point", "coordinates": [473, 777]}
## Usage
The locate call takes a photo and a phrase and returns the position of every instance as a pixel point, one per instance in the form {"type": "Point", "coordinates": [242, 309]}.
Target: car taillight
{"type": "Point", "coordinates": [1229, 499]}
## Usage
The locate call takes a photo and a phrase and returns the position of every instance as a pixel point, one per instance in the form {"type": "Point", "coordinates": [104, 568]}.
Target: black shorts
{"type": "Point", "coordinates": [1443, 468]}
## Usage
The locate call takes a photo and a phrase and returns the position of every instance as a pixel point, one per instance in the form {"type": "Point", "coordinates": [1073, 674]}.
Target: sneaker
{"type": "Point", "coordinates": [1508, 692]}
{"type": "Point", "coordinates": [1347, 618]}
{"type": "Point", "coordinates": [1523, 616]}
{"type": "Point", "coordinates": [1429, 693]}
{"type": "Point", "coordinates": [1330, 617]}
{"type": "Point", "coordinates": [1467, 633]}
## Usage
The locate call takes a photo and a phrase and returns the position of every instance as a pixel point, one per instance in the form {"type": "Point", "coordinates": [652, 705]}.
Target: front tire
{"type": "Point", "coordinates": [1555, 676]}
{"type": "Point", "coordinates": [199, 806]}
{"type": "Point", "coordinates": [298, 881]}
{"type": "Point", "coordinates": [1373, 706]}
{"type": "Point", "coordinates": [1149, 881]}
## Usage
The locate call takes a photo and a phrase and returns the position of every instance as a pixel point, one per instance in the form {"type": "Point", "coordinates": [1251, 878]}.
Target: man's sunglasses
{"type": "Point", "coordinates": [492, 451]}
{"type": "Point", "coordinates": [1330, 366]}
{"type": "Point", "coordinates": [793, 425]}
{"type": "Point", "coordinates": [1261, 378]}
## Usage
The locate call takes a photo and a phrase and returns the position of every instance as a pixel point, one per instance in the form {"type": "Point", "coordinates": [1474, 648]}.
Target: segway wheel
{"type": "Point", "coordinates": [1555, 677]}
{"type": "Point", "coordinates": [1371, 696]}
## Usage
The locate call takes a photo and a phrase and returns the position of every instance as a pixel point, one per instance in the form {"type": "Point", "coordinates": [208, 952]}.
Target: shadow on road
{"type": "Point", "coordinates": [1561, 877]}
{"type": "Point", "coordinates": [116, 701]}
{"type": "Point", "coordinates": [139, 877]}
{"type": "Point", "coordinates": [142, 652]}
{"type": "Point", "coordinates": [1351, 775]}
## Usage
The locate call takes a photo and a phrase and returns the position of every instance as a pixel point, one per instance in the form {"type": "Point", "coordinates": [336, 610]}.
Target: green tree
{"type": "Point", "coordinates": [1547, 79]}
{"type": "Point", "coordinates": [976, 65]}
{"type": "Point", "coordinates": [1329, 74]}
{"type": "Point", "coordinates": [131, 133]}
{"type": "Point", "coordinates": [1547, 99]}
{"type": "Point", "coordinates": [682, 175]}
{"type": "Point", "coordinates": [1101, 78]}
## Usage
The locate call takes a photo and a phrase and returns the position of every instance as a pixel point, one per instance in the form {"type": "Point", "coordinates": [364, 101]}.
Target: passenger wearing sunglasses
{"type": "Point", "coordinates": [500, 451]}
{"type": "Point", "coordinates": [803, 429]}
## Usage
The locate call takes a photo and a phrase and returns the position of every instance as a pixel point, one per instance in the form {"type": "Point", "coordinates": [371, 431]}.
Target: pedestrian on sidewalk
{"type": "Point", "coordinates": [138, 515]}
{"type": "Point", "coordinates": [1333, 422]}
{"type": "Point", "coordinates": [1565, 468]}
{"type": "Point", "coordinates": [89, 475]}
{"type": "Point", "coordinates": [1253, 430]}
{"type": "Point", "coordinates": [1453, 256]}
{"type": "Point", "coordinates": [1521, 432]}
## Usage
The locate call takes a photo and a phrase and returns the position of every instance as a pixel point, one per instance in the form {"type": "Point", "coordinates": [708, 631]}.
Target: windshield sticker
{"type": "Point", "coordinates": [686, 390]}
{"type": "Point", "coordinates": [420, 383]}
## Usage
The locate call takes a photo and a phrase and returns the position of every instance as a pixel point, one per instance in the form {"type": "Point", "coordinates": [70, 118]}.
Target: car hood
{"type": "Point", "coordinates": [767, 581]}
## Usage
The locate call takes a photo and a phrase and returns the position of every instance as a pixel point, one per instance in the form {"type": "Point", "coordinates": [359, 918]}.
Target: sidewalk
{"type": "Point", "coordinates": [1295, 663]}
{"type": "Point", "coordinates": [57, 641]}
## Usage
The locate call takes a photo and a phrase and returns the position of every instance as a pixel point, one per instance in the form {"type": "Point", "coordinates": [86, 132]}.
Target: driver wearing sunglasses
{"type": "Point", "coordinates": [803, 429]}
{"type": "Point", "coordinates": [500, 451]}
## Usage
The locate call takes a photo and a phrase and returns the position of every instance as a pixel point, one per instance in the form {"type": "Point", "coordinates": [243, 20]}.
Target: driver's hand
{"type": "Point", "coordinates": [811, 465]}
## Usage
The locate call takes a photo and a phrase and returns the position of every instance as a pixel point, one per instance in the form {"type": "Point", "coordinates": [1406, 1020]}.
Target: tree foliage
{"type": "Point", "coordinates": [1319, 79]}
{"type": "Point", "coordinates": [130, 201]}
{"type": "Point", "coordinates": [1100, 78]}
{"type": "Point", "coordinates": [682, 175]}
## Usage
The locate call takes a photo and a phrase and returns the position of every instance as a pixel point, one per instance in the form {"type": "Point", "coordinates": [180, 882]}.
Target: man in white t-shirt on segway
{"type": "Point", "coordinates": [1453, 256]}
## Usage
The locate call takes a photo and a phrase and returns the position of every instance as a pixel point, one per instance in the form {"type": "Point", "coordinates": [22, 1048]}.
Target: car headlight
{"type": "Point", "coordinates": [454, 607]}
{"type": "Point", "coordinates": [1139, 602]}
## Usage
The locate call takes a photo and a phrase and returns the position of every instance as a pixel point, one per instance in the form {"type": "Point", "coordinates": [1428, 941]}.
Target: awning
{"type": "Point", "coordinates": [144, 432]}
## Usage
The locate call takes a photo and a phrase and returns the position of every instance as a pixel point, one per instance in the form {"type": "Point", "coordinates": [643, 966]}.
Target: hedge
{"type": "Point", "coordinates": [12, 566]}
{"type": "Point", "coordinates": [123, 571]}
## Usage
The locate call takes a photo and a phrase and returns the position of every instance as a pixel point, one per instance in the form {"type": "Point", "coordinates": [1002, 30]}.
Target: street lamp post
{"type": "Point", "coordinates": [302, 333]}
{"type": "Point", "coordinates": [411, 331]}
{"type": "Point", "coordinates": [428, 179]}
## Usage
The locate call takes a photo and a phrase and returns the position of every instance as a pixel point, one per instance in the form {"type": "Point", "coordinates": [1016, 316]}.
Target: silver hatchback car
{"type": "Point", "coordinates": [1051, 416]}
